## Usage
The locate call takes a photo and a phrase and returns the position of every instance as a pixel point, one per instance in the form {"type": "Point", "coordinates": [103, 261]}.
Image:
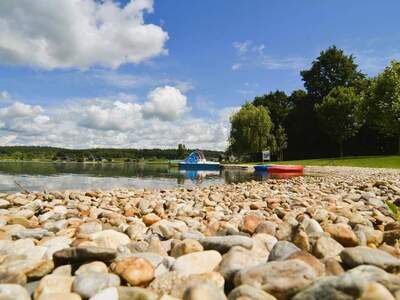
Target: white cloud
{"type": "Point", "coordinates": [118, 121]}
{"type": "Point", "coordinates": [4, 95]}
{"type": "Point", "coordinates": [77, 33]}
{"type": "Point", "coordinates": [110, 115]}
{"type": "Point", "coordinates": [166, 103]}
{"type": "Point", "coordinates": [19, 110]}
{"type": "Point", "coordinates": [253, 55]}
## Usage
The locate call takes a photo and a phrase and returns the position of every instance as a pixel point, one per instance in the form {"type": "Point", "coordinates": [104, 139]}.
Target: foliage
{"type": "Point", "coordinates": [97, 154]}
{"type": "Point", "coordinates": [339, 114]}
{"type": "Point", "coordinates": [281, 142]}
{"type": "Point", "coordinates": [383, 101]}
{"type": "Point", "coordinates": [250, 130]}
{"type": "Point", "coordinates": [278, 105]}
{"type": "Point", "coordinates": [393, 209]}
{"type": "Point", "coordinates": [331, 69]}
{"type": "Point", "coordinates": [358, 129]}
{"type": "Point", "coordinates": [182, 151]}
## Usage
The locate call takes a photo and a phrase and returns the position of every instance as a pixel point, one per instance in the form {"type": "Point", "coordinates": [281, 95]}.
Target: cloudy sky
{"type": "Point", "coordinates": [143, 73]}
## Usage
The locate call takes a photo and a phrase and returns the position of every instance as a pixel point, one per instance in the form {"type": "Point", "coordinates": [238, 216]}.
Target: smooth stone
{"type": "Point", "coordinates": [83, 254]}
{"type": "Point", "coordinates": [194, 235]}
{"type": "Point", "coordinates": [223, 244]}
{"type": "Point", "coordinates": [311, 226]}
{"type": "Point", "coordinates": [106, 294]}
{"type": "Point", "coordinates": [65, 270]}
{"type": "Point", "coordinates": [249, 292]}
{"type": "Point", "coordinates": [90, 227]}
{"type": "Point", "coordinates": [267, 227]}
{"type": "Point", "coordinates": [136, 231]}
{"type": "Point", "coordinates": [156, 259]}
{"type": "Point", "coordinates": [237, 259]}
{"type": "Point", "coordinates": [60, 296]}
{"type": "Point", "coordinates": [204, 291]}
{"type": "Point", "coordinates": [310, 260]}
{"type": "Point", "coordinates": [150, 219]}
{"type": "Point", "coordinates": [172, 284]}
{"type": "Point", "coordinates": [43, 268]}
{"type": "Point", "coordinates": [282, 279]}
{"type": "Point", "coordinates": [12, 278]}
{"type": "Point", "coordinates": [326, 247]}
{"type": "Point", "coordinates": [35, 233]}
{"type": "Point", "coordinates": [282, 250]}
{"type": "Point", "coordinates": [375, 291]}
{"type": "Point", "coordinates": [267, 240]}
{"type": "Point", "coordinates": [333, 267]}
{"type": "Point", "coordinates": [343, 234]}
{"type": "Point", "coordinates": [197, 263]}
{"type": "Point", "coordinates": [90, 283]}
{"type": "Point", "coordinates": [13, 292]}
{"type": "Point", "coordinates": [137, 271]}
{"type": "Point", "coordinates": [135, 293]}
{"type": "Point", "coordinates": [349, 285]}
{"type": "Point", "coordinates": [250, 223]}
{"type": "Point", "coordinates": [110, 239]}
{"type": "Point", "coordinates": [96, 266]}
{"type": "Point", "coordinates": [54, 284]}
{"type": "Point", "coordinates": [4, 203]}
{"type": "Point", "coordinates": [353, 257]}
{"type": "Point", "coordinates": [185, 247]}
{"type": "Point", "coordinates": [19, 265]}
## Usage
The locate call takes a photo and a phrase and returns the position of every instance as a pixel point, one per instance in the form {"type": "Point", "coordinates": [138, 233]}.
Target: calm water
{"type": "Point", "coordinates": [40, 176]}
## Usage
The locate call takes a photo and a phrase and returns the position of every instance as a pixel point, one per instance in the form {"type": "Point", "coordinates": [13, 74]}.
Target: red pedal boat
{"type": "Point", "coordinates": [284, 169]}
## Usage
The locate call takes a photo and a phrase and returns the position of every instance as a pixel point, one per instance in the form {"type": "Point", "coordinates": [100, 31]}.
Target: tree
{"type": "Point", "coordinates": [277, 104]}
{"type": "Point", "coordinates": [331, 69]}
{"type": "Point", "coordinates": [339, 114]}
{"type": "Point", "coordinates": [250, 130]}
{"type": "Point", "coordinates": [182, 151]}
{"type": "Point", "coordinates": [281, 142]}
{"type": "Point", "coordinates": [383, 101]}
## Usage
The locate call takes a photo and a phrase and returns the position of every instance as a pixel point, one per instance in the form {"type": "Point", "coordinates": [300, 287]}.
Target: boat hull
{"type": "Point", "coordinates": [205, 166]}
{"type": "Point", "coordinates": [279, 169]}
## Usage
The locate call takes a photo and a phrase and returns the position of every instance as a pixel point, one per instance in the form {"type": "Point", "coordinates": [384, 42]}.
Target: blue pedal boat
{"type": "Point", "coordinates": [197, 161]}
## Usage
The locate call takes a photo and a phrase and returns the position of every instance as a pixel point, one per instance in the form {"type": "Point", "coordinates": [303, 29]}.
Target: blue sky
{"type": "Point", "coordinates": [177, 75]}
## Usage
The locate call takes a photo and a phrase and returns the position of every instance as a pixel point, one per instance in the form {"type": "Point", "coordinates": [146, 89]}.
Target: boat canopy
{"type": "Point", "coordinates": [195, 157]}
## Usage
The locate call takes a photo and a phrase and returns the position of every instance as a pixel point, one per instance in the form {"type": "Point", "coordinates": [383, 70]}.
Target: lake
{"type": "Point", "coordinates": [49, 176]}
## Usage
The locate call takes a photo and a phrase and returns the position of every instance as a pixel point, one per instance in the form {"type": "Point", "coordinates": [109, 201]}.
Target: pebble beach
{"type": "Point", "coordinates": [325, 236]}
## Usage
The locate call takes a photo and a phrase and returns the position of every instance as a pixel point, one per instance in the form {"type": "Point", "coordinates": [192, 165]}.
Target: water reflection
{"type": "Point", "coordinates": [38, 176]}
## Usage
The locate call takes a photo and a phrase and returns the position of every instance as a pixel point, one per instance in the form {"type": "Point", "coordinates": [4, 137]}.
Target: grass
{"type": "Point", "coordinates": [354, 161]}
{"type": "Point", "coordinates": [390, 161]}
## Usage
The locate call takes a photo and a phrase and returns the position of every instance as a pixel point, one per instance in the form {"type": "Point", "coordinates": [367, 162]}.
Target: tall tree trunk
{"type": "Point", "coordinates": [341, 148]}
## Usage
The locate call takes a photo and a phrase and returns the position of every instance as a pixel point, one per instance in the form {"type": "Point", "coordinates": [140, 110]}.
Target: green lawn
{"type": "Point", "coordinates": [355, 161]}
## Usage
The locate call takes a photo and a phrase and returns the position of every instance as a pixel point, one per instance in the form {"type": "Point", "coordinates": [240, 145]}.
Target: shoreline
{"type": "Point", "coordinates": [223, 240]}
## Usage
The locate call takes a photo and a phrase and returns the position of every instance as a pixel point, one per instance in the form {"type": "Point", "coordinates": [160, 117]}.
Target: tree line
{"type": "Point", "coordinates": [340, 111]}
{"type": "Point", "coordinates": [96, 154]}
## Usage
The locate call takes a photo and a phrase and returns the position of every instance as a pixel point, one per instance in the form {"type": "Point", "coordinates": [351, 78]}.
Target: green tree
{"type": "Point", "coordinates": [339, 114]}
{"type": "Point", "coordinates": [281, 142]}
{"type": "Point", "coordinates": [383, 101]}
{"type": "Point", "coordinates": [331, 69]}
{"type": "Point", "coordinates": [182, 151]}
{"type": "Point", "coordinates": [278, 105]}
{"type": "Point", "coordinates": [250, 130]}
